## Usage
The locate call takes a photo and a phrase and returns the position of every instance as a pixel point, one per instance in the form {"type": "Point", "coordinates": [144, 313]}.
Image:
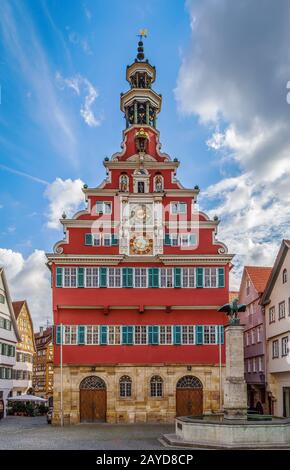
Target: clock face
{"type": "Point", "coordinates": [141, 245]}
{"type": "Point", "coordinates": [140, 214]}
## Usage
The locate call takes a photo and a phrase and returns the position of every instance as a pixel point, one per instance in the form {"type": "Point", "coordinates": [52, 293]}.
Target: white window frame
{"type": "Point", "coordinates": [188, 334]}
{"type": "Point", "coordinates": [69, 276]}
{"type": "Point", "coordinates": [187, 274]}
{"type": "Point", "coordinates": [140, 334]}
{"type": "Point", "coordinates": [114, 332]}
{"type": "Point", "coordinates": [275, 349]}
{"type": "Point", "coordinates": [247, 338]}
{"type": "Point", "coordinates": [175, 237]}
{"type": "Point", "coordinates": [166, 274]}
{"type": "Point", "coordinates": [104, 205]}
{"type": "Point", "coordinates": [179, 204]}
{"type": "Point", "coordinates": [259, 335]}
{"type": "Point", "coordinates": [92, 277]}
{"type": "Point", "coordinates": [140, 277]}
{"type": "Point", "coordinates": [165, 334]}
{"type": "Point", "coordinates": [260, 361]}
{"type": "Point", "coordinates": [253, 336]}
{"type": "Point", "coordinates": [97, 239]}
{"type": "Point", "coordinates": [94, 332]}
{"type": "Point", "coordinates": [70, 331]}
{"type": "Point", "coordinates": [284, 346]}
{"type": "Point", "coordinates": [211, 331]}
{"type": "Point", "coordinates": [254, 365]}
{"type": "Point", "coordinates": [249, 366]}
{"type": "Point", "coordinates": [212, 274]}
{"type": "Point", "coordinates": [272, 314]}
{"type": "Point", "coordinates": [108, 237]}
{"type": "Point", "coordinates": [114, 274]}
{"type": "Point", "coordinates": [282, 308]}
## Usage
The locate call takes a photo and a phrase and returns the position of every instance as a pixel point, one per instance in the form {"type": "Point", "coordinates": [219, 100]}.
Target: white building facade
{"type": "Point", "coordinates": [276, 301]}
{"type": "Point", "coordinates": [9, 337]}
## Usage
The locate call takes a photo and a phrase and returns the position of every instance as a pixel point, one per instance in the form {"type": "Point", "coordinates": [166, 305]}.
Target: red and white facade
{"type": "Point", "coordinates": [137, 282]}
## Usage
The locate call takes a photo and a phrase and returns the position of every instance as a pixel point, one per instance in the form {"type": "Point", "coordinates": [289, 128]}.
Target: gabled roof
{"type": "Point", "coordinates": [17, 307]}
{"type": "Point", "coordinates": [9, 303]}
{"type": "Point", "coordinates": [259, 276]}
{"type": "Point", "coordinates": [285, 246]}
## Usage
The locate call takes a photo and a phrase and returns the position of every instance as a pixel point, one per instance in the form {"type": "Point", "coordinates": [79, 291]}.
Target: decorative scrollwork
{"type": "Point", "coordinates": [92, 383]}
{"type": "Point", "coordinates": [189, 381]}
{"type": "Point", "coordinates": [58, 250]}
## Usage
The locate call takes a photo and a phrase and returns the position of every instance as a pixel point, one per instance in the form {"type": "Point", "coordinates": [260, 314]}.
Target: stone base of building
{"type": "Point", "coordinates": [140, 407]}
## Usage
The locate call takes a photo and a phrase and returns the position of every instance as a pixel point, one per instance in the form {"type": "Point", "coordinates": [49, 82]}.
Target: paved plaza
{"type": "Point", "coordinates": [34, 433]}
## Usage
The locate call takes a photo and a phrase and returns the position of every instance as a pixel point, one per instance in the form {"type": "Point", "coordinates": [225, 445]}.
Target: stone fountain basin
{"type": "Point", "coordinates": [217, 433]}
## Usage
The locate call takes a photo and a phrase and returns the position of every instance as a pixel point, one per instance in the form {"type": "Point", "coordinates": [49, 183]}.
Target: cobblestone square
{"type": "Point", "coordinates": [34, 433]}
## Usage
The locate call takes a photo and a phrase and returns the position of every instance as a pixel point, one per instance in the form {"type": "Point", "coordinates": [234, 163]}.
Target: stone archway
{"type": "Point", "coordinates": [189, 396]}
{"type": "Point", "coordinates": [93, 399]}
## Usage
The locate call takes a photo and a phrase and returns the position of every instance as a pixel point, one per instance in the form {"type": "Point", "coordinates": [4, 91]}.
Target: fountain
{"type": "Point", "coordinates": [232, 429]}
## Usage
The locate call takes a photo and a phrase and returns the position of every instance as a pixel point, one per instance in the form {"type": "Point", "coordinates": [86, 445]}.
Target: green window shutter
{"type": "Point", "coordinates": [199, 277]}
{"type": "Point", "coordinates": [192, 239]}
{"type": "Point", "coordinates": [153, 334]}
{"type": "Point", "coordinates": [124, 334]}
{"type": "Point", "coordinates": [88, 239]}
{"type": "Point", "coordinates": [176, 334]}
{"type": "Point", "coordinates": [221, 334]}
{"type": "Point", "coordinates": [58, 282]}
{"type": "Point", "coordinates": [130, 335]}
{"type": "Point", "coordinates": [99, 207]}
{"type": "Point", "coordinates": [127, 277]}
{"type": "Point", "coordinates": [81, 277]}
{"type": "Point", "coordinates": [177, 277]}
{"type": "Point", "coordinates": [81, 334]}
{"type": "Point", "coordinates": [103, 277]}
{"type": "Point", "coordinates": [221, 277]}
{"type": "Point", "coordinates": [167, 240]}
{"type": "Point", "coordinates": [114, 240]}
{"type": "Point", "coordinates": [58, 334]}
{"type": "Point", "coordinates": [198, 334]}
{"type": "Point", "coordinates": [103, 338]}
{"type": "Point", "coordinates": [153, 277]}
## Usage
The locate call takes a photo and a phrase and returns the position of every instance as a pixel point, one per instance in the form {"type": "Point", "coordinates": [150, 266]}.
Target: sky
{"type": "Point", "coordinates": [223, 69]}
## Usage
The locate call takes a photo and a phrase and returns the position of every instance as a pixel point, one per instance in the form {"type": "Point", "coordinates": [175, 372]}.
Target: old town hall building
{"type": "Point", "coordinates": [137, 282]}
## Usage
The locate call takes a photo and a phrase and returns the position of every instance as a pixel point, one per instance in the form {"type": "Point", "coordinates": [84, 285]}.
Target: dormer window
{"type": "Point", "coordinates": [103, 207]}
{"type": "Point", "coordinates": [284, 276]}
{"type": "Point", "coordinates": [141, 181]}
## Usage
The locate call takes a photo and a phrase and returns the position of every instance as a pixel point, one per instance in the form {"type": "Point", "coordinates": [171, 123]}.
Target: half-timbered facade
{"type": "Point", "coordinates": [25, 350]}
{"type": "Point", "coordinates": [43, 363]}
{"type": "Point", "coordinates": [137, 282]}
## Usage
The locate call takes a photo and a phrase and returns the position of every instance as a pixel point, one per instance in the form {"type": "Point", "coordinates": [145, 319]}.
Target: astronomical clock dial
{"type": "Point", "coordinates": [141, 245]}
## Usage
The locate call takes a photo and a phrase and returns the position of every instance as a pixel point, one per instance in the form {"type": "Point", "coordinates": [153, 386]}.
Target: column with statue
{"type": "Point", "coordinates": [235, 387]}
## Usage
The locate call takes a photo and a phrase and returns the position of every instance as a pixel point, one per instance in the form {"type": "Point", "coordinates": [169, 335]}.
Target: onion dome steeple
{"type": "Point", "coordinates": [141, 104]}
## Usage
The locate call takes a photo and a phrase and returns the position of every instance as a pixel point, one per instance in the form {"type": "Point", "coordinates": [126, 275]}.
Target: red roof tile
{"type": "Point", "coordinates": [259, 276]}
{"type": "Point", "coordinates": [17, 306]}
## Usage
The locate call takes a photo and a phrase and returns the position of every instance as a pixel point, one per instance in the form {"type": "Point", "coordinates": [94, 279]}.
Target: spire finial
{"type": "Point", "coordinates": [142, 34]}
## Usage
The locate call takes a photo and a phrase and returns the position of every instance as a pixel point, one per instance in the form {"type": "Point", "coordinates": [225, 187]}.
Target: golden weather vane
{"type": "Point", "coordinates": [143, 33]}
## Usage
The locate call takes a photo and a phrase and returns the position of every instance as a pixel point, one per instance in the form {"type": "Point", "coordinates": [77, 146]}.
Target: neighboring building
{"type": "Point", "coordinates": [137, 282]}
{"type": "Point", "coordinates": [25, 350]}
{"type": "Point", "coordinates": [276, 301]}
{"type": "Point", "coordinates": [9, 336]}
{"type": "Point", "coordinates": [43, 363]}
{"type": "Point", "coordinates": [253, 283]}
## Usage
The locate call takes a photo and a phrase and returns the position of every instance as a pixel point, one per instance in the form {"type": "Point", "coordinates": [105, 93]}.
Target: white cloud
{"type": "Point", "coordinates": [25, 54]}
{"type": "Point", "coordinates": [29, 278]}
{"type": "Point", "coordinates": [64, 196]}
{"type": "Point", "coordinates": [82, 86]}
{"type": "Point", "coordinates": [234, 78]}
{"type": "Point", "coordinates": [76, 39]}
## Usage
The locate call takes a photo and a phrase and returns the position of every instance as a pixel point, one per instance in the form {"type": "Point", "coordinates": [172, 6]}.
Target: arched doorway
{"type": "Point", "coordinates": [93, 400]}
{"type": "Point", "coordinates": [189, 396]}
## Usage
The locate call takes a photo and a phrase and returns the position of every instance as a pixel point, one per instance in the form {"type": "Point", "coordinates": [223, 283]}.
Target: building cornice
{"type": "Point", "coordinates": [219, 259]}
{"type": "Point", "coordinates": [148, 164]}
{"type": "Point", "coordinates": [111, 260]}
{"type": "Point", "coordinates": [137, 307]}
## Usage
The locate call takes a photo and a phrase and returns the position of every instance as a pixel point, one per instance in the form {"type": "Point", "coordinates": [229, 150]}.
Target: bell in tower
{"type": "Point", "coordinates": [141, 104]}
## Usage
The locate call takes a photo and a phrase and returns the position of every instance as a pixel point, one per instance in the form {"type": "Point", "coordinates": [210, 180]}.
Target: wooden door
{"type": "Point", "coordinates": [93, 405]}
{"type": "Point", "coordinates": [189, 402]}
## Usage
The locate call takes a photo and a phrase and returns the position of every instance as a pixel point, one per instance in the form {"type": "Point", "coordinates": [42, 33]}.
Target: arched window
{"type": "Point", "coordinates": [284, 276]}
{"type": "Point", "coordinates": [92, 383]}
{"type": "Point", "coordinates": [156, 386]}
{"type": "Point", "coordinates": [189, 381]}
{"type": "Point", "coordinates": [125, 386]}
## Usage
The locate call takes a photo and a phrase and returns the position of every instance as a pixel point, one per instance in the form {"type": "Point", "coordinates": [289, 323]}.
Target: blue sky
{"type": "Point", "coordinates": [222, 69]}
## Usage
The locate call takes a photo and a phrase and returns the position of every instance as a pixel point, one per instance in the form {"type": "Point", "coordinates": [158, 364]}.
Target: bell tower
{"type": "Point", "coordinates": [141, 103]}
